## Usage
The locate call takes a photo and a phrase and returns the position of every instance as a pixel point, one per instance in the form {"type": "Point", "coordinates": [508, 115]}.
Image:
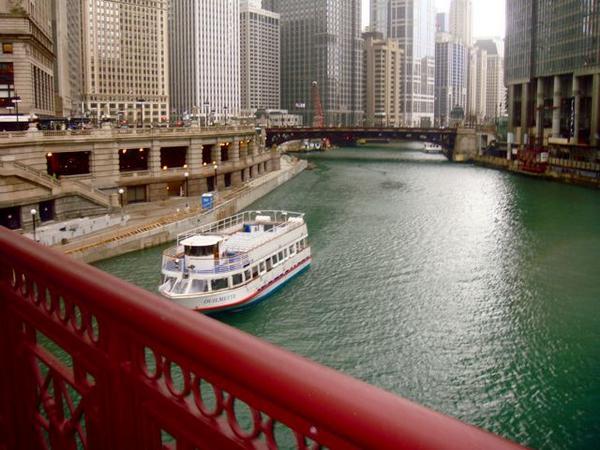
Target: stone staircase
{"type": "Point", "coordinates": [57, 187]}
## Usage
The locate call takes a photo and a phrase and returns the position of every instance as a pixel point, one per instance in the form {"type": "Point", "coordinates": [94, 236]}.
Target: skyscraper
{"type": "Point", "coordinates": [553, 70]}
{"type": "Point", "coordinates": [451, 73]}
{"type": "Point", "coordinates": [271, 5]}
{"type": "Point", "coordinates": [26, 59]}
{"type": "Point", "coordinates": [478, 65]}
{"type": "Point", "coordinates": [382, 80]}
{"type": "Point", "coordinates": [125, 55]}
{"type": "Point", "coordinates": [205, 58]}
{"type": "Point", "coordinates": [379, 17]}
{"type": "Point", "coordinates": [321, 41]}
{"type": "Point", "coordinates": [495, 104]}
{"type": "Point", "coordinates": [461, 22]}
{"type": "Point", "coordinates": [68, 68]}
{"type": "Point", "coordinates": [259, 57]}
{"type": "Point", "coordinates": [412, 24]}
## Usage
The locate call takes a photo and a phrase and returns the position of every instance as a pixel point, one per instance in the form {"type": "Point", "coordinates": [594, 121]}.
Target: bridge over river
{"type": "Point", "coordinates": [458, 144]}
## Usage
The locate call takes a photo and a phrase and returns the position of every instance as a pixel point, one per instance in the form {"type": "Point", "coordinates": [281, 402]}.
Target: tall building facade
{"type": "Point", "coordinates": [552, 69]}
{"type": "Point", "coordinates": [451, 73]}
{"type": "Point", "coordinates": [495, 103]}
{"type": "Point", "coordinates": [321, 41]}
{"type": "Point", "coordinates": [68, 69]}
{"type": "Point", "coordinates": [259, 58]}
{"type": "Point", "coordinates": [379, 17]}
{"type": "Point", "coordinates": [461, 21]}
{"type": "Point", "coordinates": [442, 23]}
{"type": "Point", "coordinates": [412, 24]}
{"type": "Point", "coordinates": [125, 58]}
{"type": "Point", "coordinates": [26, 59]}
{"type": "Point", "coordinates": [382, 80]}
{"type": "Point", "coordinates": [271, 5]}
{"type": "Point", "coordinates": [478, 77]}
{"type": "Point", "coordinates": [205, 58]}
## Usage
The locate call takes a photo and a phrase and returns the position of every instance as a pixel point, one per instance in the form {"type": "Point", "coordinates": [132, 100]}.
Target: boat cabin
{"type": "Point", "coordinates": [203, 246]}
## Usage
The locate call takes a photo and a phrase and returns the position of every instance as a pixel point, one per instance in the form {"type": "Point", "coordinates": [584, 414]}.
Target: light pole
{"type": "Point", "coordinates": [15, 101]}
{"type": "Point", "coordinates": [225, 110]}
{"type": "Point", "coordinates": [121, 192]}
{"type": "Point", "coordinates": [215, 166]}
{"type": "Point", "coordinates": [33, 214]}
{"type": "Point", "coordinates": [186, 175]}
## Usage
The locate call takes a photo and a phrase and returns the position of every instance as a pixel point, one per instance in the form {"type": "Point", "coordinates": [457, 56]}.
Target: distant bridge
{"type": "Point", "coordinates": [446, 137]}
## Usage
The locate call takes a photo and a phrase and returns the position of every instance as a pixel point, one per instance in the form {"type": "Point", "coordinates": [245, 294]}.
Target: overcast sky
{"type": "Point", "coordinates": [488, 16]}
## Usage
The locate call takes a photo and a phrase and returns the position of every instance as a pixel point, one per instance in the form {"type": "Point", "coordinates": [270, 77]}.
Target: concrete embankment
{"type": "Point", "coordinates": [166, 228]}
{"type": "Point", "coordinates": [571, 172]}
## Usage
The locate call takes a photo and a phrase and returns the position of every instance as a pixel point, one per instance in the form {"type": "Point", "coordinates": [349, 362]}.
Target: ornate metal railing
{"type": "Point", "coordinates": [92, 362]}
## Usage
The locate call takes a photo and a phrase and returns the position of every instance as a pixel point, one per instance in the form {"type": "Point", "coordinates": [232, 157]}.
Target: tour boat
{"type": "Point", "coordinates": [236, 262]}
{"type": "Point", "coordinates": [432, 148]}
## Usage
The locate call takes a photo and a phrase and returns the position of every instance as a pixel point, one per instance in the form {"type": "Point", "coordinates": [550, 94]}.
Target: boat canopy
{"type": "Point", "coordinates": [201, 241]}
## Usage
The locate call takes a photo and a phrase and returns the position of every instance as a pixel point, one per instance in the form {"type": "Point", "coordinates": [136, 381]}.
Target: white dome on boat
{"type": "Point", "coordinates": [201, 241]}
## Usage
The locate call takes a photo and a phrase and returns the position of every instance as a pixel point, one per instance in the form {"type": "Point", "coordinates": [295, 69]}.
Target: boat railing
{"type": "Point", "coordinates": [204, 266]}
{"type": "Point", "coordinates": [277, 216]}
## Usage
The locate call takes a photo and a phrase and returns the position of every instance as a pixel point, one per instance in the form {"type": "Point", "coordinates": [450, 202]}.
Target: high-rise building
{"type": "Point", "coordinates": [382, 80]}
{"type": "Point", "coordinates": [461, 22]}
{"type": "Point", "coordinates": [259, 57]}
{"type": "Point", "coordinates": [442, 23]}
{"type": "Point", "coordinates": [477, 88]}
{"type": "Point", "coordinates": [26, 59]}
{"type": "Point", "coordinates": [68, 69]}
{"type": "Point", "coordinates": [553, 70]}
{"type": "Point", "coordinates": [495, 104]}
{"type": "Point", "coordinates": [125, 57]}
{"type": "Point", "coordinates": [271, 5]}
{"type": "Point", "coordinates": [205, 58]}
{"type": "Point", "coordinates": [379, 17]}
{"type": "Point", "coordinates": [321, 41]}
{"type": "Point", "coordinates": [451, 73]}
{"type": "Point", "coordinates": [412, 24]}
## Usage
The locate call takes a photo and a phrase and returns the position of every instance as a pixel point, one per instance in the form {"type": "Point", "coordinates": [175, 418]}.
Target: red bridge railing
{"type": "Point", "coordinates": [90, 361]}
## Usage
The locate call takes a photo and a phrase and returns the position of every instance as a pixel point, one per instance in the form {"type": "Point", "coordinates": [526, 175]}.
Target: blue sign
{"type": "Point", "coordinates": [207, 201]}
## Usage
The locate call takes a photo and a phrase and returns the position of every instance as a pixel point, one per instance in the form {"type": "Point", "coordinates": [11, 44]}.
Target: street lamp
{"type": "Point", "coordinates": [186, 175]}
{"type": "Point", "coordinates": [15, 101]}
{"type": "Point", "coordinates": [121, 192]}
{"type": "Point", "coordinates": [33, 214]}
{"type": "Point", "coordinates": [215, 166]}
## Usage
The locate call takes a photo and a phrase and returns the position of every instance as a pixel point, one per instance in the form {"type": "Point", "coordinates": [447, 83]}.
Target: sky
{"type": "Point", "coordinates": [488, 16]}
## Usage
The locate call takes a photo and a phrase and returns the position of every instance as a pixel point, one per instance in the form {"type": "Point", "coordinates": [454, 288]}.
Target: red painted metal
{"type": "Point", "coordinates": [319, 117]}
{"type": "Point", "coordinates": [90, 361]}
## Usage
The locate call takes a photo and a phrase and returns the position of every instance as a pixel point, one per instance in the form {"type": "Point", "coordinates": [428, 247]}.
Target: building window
{"type": "Point", "coordinates": [46, 210]}
{"type": "Point", "coordinates": [68, 163]}
{"type": "Point", "coordinates": [7, 47]}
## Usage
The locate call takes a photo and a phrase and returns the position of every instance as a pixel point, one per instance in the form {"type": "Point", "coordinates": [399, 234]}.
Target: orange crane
{"type": "Point", "coordinates": [318, 119]}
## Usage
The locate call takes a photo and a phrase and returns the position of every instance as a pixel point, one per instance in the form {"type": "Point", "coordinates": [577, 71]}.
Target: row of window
{"type": "Point", "coordinates": [249, 274]}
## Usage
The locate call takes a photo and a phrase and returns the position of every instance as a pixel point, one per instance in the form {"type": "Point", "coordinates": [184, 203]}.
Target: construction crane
{"type": "Point", "coordinates": [318, 118]}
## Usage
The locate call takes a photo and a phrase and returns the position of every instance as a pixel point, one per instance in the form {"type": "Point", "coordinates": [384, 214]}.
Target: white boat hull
{"type": "Point", "coordinates": [250, 294]}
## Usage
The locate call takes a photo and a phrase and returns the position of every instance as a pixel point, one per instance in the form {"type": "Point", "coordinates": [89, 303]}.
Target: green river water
{"type": "Point", "coordinates": [472, 291]}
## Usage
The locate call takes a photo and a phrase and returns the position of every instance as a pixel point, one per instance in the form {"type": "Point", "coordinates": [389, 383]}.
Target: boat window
{"type": "Point", "coordinates": [168, 283]}
{"type": "Point", "coordinates": [268, 226]}
{"type": "Point", "coordinates": [269, 264]}
{"type": "Point", "coordinates": [220, 283]}
{"type": "Point", "coordinates": [199, 286]}
{"type": "Point", "coordinates": [199, 251]}
{"type": "Point", "coordinates": [262, 267]}
{"type": "Point", "coordinates": [292, 250]}
{"type": "Point", "coordinates": [247, 274]}
{"type": "Point", "coordinates": [275, 259]}
{"type": "Point", "coordinates": [254, 271]}
{"type": "Point", "coordinates": [180, 287]}
{"type": "Point", "coordinates": [285, 255]}
{"type": "Point", "coordinates": [237, 279]}
{"type": "Point", "coordinates": [280, 255]}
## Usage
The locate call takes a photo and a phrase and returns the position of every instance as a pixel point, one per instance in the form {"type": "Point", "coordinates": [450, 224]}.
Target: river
{"type": "Point", "coordinates": [472, 291]}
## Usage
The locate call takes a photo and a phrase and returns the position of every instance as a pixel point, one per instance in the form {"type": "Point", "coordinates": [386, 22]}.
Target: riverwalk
{"type": "Point", "coordinates": [155, 223]}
